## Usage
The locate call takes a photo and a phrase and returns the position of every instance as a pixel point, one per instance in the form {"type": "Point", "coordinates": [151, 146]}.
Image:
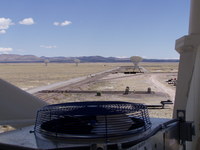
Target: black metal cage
{"type": "Point", "coordinates": [92, 119]}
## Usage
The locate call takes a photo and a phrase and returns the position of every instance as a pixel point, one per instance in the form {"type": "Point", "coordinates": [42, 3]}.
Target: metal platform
{"type": "Point", "coordinates": [109, 126]}
{"type": "Point", "coordinates": [158, 135]}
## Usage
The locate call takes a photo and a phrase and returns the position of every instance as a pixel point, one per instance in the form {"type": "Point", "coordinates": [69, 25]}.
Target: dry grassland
{"type": "Point", "coordinates": [31, 75]}
{"type": "Point", "coordinates": [161, 66]}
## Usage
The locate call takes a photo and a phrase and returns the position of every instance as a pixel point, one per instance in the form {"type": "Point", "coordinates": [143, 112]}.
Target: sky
{"type": "Point", "coordinates": [109, 28]}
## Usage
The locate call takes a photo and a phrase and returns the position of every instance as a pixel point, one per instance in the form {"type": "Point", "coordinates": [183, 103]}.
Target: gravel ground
{"type": "Point", "coordinates": [118, 82]}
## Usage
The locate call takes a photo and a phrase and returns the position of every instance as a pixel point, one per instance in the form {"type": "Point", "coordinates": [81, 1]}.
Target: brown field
{"type": "Point", "coordinates": [31, 75]}
{"type": "Point", "coordinates": [161, 66]}
{"type": "Point", "coordinates": [27, 76]}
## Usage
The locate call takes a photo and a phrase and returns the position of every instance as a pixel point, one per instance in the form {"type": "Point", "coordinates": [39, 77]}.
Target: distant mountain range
{"type": "Point", "coordinates": [13, 58]}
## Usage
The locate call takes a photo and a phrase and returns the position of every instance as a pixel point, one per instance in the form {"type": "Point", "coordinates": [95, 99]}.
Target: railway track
{"type": "Point", "coordinates": [48, 97]}
{"type": "Point", "coordinates": [76, 85]}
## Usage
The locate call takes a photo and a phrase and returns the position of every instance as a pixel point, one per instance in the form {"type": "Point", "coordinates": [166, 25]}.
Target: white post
{"type": "Point", "coordinates": [188, 86]}
{"type": "Point", "coordinates": [194, 26]}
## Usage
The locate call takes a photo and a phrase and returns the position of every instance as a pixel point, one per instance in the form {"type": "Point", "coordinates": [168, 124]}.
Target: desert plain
{"type": "Point", "coordinates": [30, 76]}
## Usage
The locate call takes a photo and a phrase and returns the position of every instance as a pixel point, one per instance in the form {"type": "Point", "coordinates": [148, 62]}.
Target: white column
{"type": "Point", "coordinates": [193, 104]}
{"type": "Point", "coordinates": [194, 26]}
{"type": "Point", "coordinates": [188, 87]}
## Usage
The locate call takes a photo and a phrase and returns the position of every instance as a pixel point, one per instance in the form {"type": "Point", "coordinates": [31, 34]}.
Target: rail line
{"type": "Point", "coordinates": [75, 87]}
{"type": "Point", "coordinates": [90, 79]}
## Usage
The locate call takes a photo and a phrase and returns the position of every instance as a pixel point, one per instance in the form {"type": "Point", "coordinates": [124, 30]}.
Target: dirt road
{"type": "Point", "coordinates": [161, 86]}
{"type": "Point", "coordinates": [70, 82]}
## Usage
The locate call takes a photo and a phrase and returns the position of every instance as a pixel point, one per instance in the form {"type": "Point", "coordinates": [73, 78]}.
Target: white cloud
{"type": "Point", "coordinates": [48, 46]}
{"type": "Point", "coordinates": [27, 21]}
{"type": "Point", "coordinates": [5, 23]}
{"type": "Point", "coordinates": [171, 58]}
{"type": "Point", "coordinates": [5, 50]}
{"type": "Point", "coordinates": [56, 23]}
{"type": "Point", "coordinates": [65, 23]}
{"type": "Point", "coordinates": [122, 57]}
{"type": "Point", "coordinates": [144, 57]}
{"type": "Point", "coordinates": [2, 31]}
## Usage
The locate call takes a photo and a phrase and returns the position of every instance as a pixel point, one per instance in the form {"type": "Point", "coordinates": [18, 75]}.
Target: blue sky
{"type": "Point", "coordinates": [119, 28]}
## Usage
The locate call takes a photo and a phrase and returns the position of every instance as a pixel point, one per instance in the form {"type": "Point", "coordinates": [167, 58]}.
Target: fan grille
{"type": "Point", "coordinates": [92, 119]}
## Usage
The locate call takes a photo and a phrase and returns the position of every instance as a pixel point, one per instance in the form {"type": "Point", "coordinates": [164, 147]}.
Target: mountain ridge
{"type": "Point", "coordinates": [15, 58]}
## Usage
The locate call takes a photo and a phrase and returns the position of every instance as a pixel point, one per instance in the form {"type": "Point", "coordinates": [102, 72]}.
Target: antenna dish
{"type": "Point", "coordinates": [77, 61]}
{"type": "Point", "coordinates": [136, 60]}
{"type": "Point", "coordinates": [46, 61]}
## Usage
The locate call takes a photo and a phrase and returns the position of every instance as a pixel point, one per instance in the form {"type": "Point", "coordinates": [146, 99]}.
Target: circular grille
{"type": "Point", "coordinates": [92, 119]}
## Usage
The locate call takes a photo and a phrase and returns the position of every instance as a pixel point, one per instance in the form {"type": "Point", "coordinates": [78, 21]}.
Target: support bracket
{"type": "Point", "coordinates": [186, 128]}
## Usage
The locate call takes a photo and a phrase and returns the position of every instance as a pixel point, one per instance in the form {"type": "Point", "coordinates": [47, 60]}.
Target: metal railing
{"type": "Point", "coordinates": [99, 119]}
